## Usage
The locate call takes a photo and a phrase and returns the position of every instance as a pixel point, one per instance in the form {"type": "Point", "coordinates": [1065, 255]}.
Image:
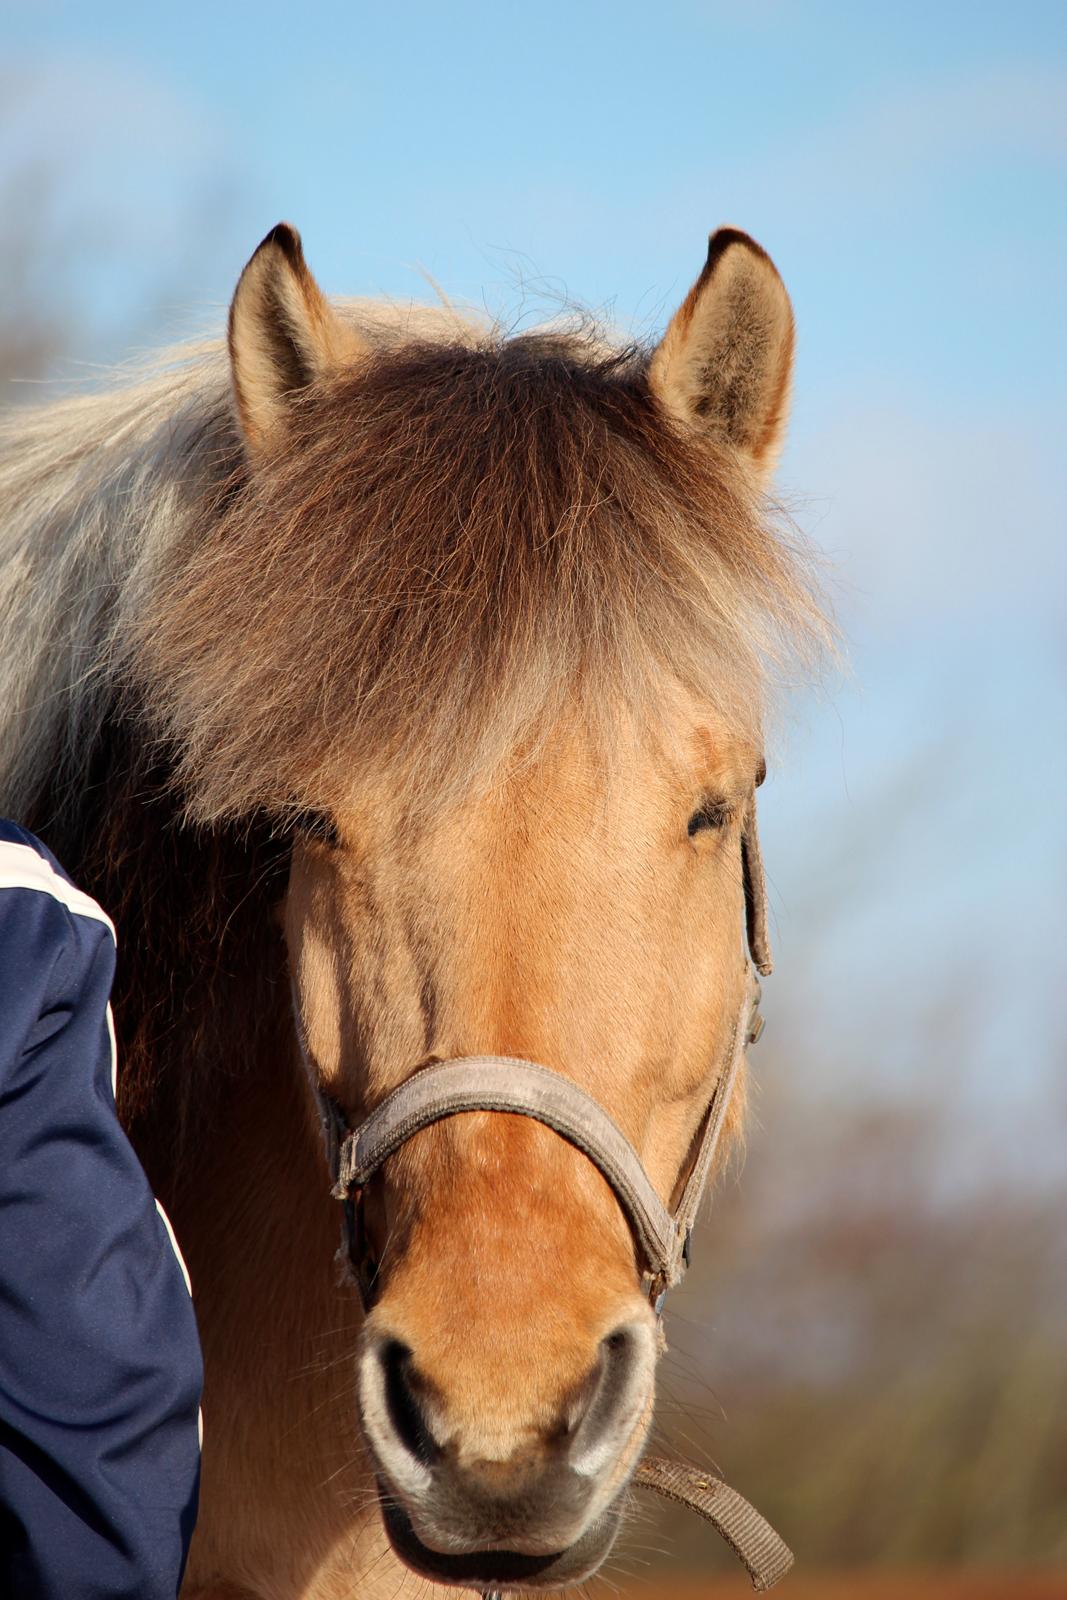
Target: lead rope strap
{"type": "Point", "coordinates": [765, 1556]}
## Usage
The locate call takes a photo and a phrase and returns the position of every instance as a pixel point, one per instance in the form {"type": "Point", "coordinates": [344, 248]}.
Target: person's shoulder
{"type": "Point", "coordinates": [27, 865]}
{"type": "Point", "coordinates": [15, 834]}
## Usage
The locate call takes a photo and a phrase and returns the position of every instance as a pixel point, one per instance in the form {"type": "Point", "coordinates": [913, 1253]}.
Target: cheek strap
{"type": "Point", "coordinates": [759, 943]}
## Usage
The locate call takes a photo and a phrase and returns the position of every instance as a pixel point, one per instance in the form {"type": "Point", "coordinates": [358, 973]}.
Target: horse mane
{"type": "Point", "coordinates": [98, 492]}
{"type": "Point", "coordinates": [460, 541]}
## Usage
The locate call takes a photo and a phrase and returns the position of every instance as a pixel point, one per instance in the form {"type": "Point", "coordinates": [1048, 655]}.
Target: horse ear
{"type": "Point", "coordinates": [724, 364]}
{"type": "Point", "coordinates": [283, 335]}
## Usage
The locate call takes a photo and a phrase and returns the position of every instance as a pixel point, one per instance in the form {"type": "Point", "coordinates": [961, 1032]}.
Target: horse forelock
{"type": "Point", "coordinates": [454, 546]}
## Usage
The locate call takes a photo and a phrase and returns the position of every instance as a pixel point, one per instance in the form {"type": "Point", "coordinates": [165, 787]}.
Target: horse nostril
{"type": "Point", "coordinates": [614, 1398]}
{"type": "Point", "coordinates": [403, 1404]}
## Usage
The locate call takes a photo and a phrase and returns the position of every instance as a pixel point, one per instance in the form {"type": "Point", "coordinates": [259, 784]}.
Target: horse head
{"type": "Point", "coordinates": [484, 621]}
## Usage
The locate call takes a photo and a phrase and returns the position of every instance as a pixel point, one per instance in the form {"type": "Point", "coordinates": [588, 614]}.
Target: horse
{"type": "Point", "coordinates": [398, 682]}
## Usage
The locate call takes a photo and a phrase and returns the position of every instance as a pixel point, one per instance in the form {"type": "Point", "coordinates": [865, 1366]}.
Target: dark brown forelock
{"type": "Point", "coordinates": [454, 547]}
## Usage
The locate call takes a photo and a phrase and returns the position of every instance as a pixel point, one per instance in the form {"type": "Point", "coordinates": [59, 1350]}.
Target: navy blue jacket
{"type": "Point", "coordinates": [100, 1370]}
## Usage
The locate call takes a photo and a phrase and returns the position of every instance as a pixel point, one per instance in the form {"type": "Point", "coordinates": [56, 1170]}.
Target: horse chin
{"type": "Point", "coordinates": [501, 1569]}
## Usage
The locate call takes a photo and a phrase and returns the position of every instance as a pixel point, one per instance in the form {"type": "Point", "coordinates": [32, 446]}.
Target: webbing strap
{"type": "Point", "coordinates": [528, 1089]}
{"type": "Point", "coordinates": [507, 1083]}
{"type": "Point", "coordinates": [765, 1555]}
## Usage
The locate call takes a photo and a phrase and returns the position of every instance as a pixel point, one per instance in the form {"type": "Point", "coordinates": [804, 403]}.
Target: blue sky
{"type": "Point", "coordinates": [907, 168]}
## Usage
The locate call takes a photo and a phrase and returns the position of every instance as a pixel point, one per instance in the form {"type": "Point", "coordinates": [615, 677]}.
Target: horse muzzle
{"type": "Point", "coordinates": [525, 1507]}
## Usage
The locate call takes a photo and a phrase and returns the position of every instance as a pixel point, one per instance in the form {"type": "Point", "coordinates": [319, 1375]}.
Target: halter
{"type": "Point", "coordinates": [661, 1235]}
{"type": "Point", "coordinates": [507, 1083]}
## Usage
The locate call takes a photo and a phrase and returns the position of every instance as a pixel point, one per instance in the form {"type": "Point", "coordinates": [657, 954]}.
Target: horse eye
{"type": "Point", "coordinates": [317, 825]}
{"type": "Point", "coordinates": [712, 814]}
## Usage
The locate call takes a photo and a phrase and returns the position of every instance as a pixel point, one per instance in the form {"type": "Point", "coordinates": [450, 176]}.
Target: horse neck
{"type": "Point", "coordinates": [283, 1467]}
{"type": "Point", "coordinates": [285, 1476]}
